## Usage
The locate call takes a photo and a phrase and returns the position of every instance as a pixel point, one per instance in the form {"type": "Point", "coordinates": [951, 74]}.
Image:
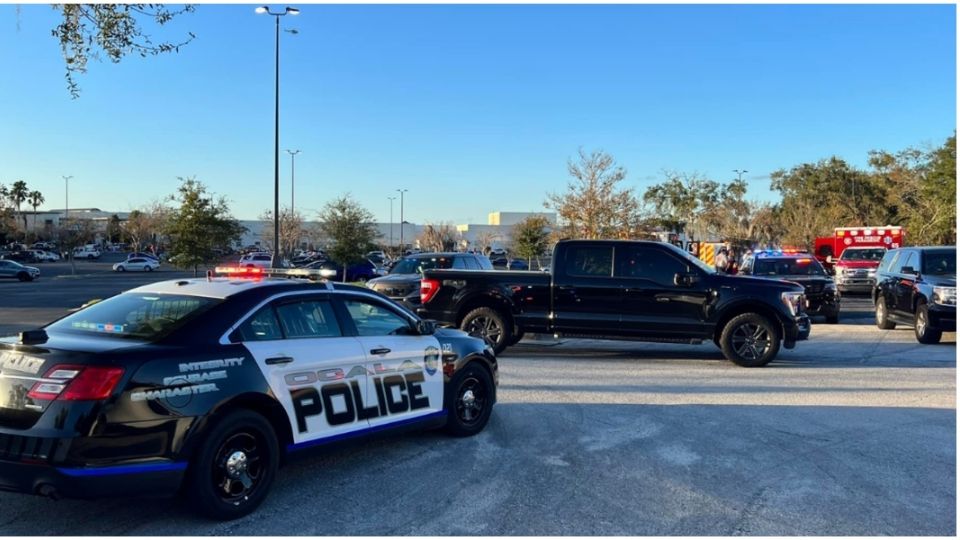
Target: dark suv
{"type": "Point", "coordinates": [402, 284]}
{"type": "Point", "coordinates": [917, 286]}
{"type": "Point", "coordinates": [820, 292]}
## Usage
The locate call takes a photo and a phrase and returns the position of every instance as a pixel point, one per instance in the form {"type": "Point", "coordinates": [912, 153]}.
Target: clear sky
{"type": "Point", "coordinates": [472, 108]}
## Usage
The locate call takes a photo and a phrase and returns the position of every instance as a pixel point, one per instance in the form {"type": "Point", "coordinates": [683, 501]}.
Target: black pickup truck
{"type": "Point", "coordinates": [633, 290]}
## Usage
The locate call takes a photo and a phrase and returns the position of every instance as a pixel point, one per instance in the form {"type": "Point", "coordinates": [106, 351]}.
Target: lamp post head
{"type": "Point", "coordinates": [292, 11]}
{"type": "Point", "coordinates": [261, 10]}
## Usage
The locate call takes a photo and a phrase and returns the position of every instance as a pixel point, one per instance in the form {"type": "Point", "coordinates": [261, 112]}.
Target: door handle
{"type": "Point", "coordinates": [382, 350]}
{"type": "Point", "coordinates": [277, 360]}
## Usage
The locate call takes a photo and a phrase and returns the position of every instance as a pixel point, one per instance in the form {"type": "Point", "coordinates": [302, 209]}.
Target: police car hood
{"type": "Point", "coordinates": [773, 282]}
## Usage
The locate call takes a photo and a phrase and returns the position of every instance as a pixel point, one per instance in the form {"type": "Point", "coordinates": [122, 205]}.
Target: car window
{"type": "Point", "coordinates": [135, 261]}
{"type": "Point", "coordinates": [595, 261]}
{"type": "Point", "coordinates": [889, 262]}
{"type": "Point", "coordinates": [484, 263]}
{"type": "Point", "coordinates": [471, 263]}
{"type": "Point", "coordinates": [651, 264]}
{"type": "Point", "coordinates": [308, 319]}
{"type": "Point", "coordinates": [788, 266]}
{"type": "Point", "coordinates": [862, 254]}
{"type": "Point", "coordinates": [459, 263]}
{"type": "Point", "coordinates": [263, 326]}
{"type": "Point", "coordinates": [135, 315]}
{"type": "Point", "coordinates": [376, 320]}
{"type": "Point", "coordinates": [942, 263]}
{"type": "Point", "coordinates": [910, 261]}
{"type": "Point", "coordinates": [261, 258]}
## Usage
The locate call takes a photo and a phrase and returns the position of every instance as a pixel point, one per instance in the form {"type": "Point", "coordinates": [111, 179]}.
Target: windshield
{"type": "Point", "coordinates": [941, 263]}
{"type": "Point", "coordinates": [416, 265]}
{"type": "Point", "coordinates": [134, 316]}
{"type": "Point", "coordinates": [862, 254]}
{"type": "Point", "coordinates": [687, 256]}
{"type": "Point", "coordinates": [803, 266]}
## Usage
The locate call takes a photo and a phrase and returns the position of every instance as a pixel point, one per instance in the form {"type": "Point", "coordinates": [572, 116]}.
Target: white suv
{"type": "Point", "coordinates": [256, 260]}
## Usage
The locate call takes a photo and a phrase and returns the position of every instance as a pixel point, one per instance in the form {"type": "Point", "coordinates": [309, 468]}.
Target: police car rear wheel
{"type": "Point", "coordinates": [233, 470]}
{"type": "Point", "coordinates": [470, 402]}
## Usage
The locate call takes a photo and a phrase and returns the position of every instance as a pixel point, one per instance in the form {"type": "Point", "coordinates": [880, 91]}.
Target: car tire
{"type": "Point", "coordinates": [881, 317]}
{"type": "Point", "coordinates": [741, 336]}
{"type": "Point", "coordinates": [148, 268]}
{"type": "Point", "coordinates": [490, 325]}
{"type": "Point", "coordinates": [240, 449]}
{"type": "Point", "coordinates": [23, 276]}
{"type": "Point", "coordinates": [121, 269]}
{"type": "Point", "coordinates": [921, 326]}
{"type": "Point", "coordinates": [469, 401]}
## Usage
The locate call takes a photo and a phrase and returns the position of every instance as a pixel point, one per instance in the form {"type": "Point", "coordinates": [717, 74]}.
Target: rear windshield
{"type": "Point", "coordinates": [801, 266]}
{"type": "Point", "coordinates": [942, 263]}
{"type": "Point", "coordinates": [134, 316]}
{"type": "Point", "coordinates": [863, 254]}
{"type": "Point", "coordinates": [416, 265]}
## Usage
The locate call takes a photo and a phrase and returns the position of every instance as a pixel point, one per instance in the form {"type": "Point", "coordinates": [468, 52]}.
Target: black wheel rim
{"type": "Point", "coordinates": [471, 399]}
{"type": "Point", "coordinates": [751, 341]}
{"type": "Point", "coordinates": [239, 467]}
{"type": "Point", "coordinates": [487, 328]}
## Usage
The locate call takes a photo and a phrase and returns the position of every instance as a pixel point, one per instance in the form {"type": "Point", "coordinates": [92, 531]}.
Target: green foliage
{"type": "Point", "coordinates": [531, 237]}
{"type": "Point", "coordinates": [115, 30]}
{"type": "Point", "coordinates": [350, 228]}
{"type": "Point", "coordinates": [685, 203]}
{"type": "Point", "coordinates": [200, 226]}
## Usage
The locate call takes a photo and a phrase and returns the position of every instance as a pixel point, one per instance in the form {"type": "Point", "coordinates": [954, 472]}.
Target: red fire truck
{"type": "Point", "coordinates": [855, 270]}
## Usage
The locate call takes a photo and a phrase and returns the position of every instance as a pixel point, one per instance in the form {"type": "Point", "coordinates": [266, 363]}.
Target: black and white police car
{"type": "Point", "coordinates": [207, 385]}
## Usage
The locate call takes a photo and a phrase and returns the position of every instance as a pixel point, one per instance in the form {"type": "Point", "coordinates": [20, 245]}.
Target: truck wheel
{"type": "Point", "coordinates": [232, 472]}
{"type": "Point", "coordinates": [750, 340]}
{"type": "Point", "coordinates": [921, 326]}
{"type": "Point", "coordinates": [489, 324]}
{"type": "Point", "coordinates": [469, 401]}
{"type": "Point", "coordinates": [883, 322]}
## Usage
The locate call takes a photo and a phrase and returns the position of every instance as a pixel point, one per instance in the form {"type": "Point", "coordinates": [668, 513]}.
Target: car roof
{"type": "Point", "coordinates": [225, 287]}
{"type": "Point", "coordinates": [431, 255]}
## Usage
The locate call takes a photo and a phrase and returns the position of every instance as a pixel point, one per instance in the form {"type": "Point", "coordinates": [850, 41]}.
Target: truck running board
{"type": "Point", "coordinates": [651, 339]}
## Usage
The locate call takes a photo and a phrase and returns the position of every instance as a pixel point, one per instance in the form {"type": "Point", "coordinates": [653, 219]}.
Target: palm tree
{"type": "Point", "coordinates": [18, 194]}
{"type": "Point", "coordinates": [35, 198]}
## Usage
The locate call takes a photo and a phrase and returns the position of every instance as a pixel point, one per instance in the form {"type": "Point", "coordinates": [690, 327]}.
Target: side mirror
{"type": "Point", "coordinates": [426, 328]}
{"type": "Point", "coordinates": [681, 279]}
{"type": "Point", "coordinates": [908, 270]}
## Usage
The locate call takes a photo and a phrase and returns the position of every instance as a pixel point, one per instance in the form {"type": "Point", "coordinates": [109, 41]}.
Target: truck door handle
{"type": "Point", "coordinates": [382, 350]}
{"type": "Point", "coordinates": [277, 360]}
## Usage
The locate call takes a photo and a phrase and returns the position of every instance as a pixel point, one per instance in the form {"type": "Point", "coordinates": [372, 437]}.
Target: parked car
{"type": "Point", "coordinates": [518, 264]}
{"type": "Point", "coordinates": [917, 287]}
{"type": "Point", "coordinates": [13, 269]}
{"type": "Point", "coordinates": [137, 264]}
{"type": "Point", "coordinates": [616, 289]}
{"type": "Point", "coordinates": [820, 292]}
{"type": "Point", "coordinates": [332, 270]}
{"type": "Point", "coordinates": [499, 262]}
{"type": "Point", "coordinates": [402, 284]}
{"type": "Point", "coordinates": [86, 252]}
{"type": "Point", "coordinates": [256, 260]}
{"type": "Point", "coordinates": [21, 256]}
{"type": "Point", "coordinates": [856, 269]}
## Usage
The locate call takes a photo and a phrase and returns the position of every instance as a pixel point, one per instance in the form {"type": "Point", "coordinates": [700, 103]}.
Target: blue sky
{"type": "Point", "coordinates": [472, 108]}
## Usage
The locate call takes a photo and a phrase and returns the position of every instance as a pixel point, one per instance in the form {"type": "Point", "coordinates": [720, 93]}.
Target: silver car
{"type": "Point", "coordinates": [13, 269]}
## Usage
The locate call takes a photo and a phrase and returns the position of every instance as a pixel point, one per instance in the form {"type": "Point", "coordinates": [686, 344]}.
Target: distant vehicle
{"type": "Point", "coordinates": [21, 256]}
{"type": "Point", "coordinates": [499, 262]}
{"type": "Point", "coordinates": [402, 284]}
{"type": "Point", "coordinates": [13, 269]}
{"type": "Point", "coordinates": [856, 269]}
{"type": "Point", "coordinates": [40, 255]}
{"type": "Point", "coordinates": [619, 289]}
{"type": "Point", "coordinates": [256, 260]}
{"type": "Point", "coordinates": [137, 264]}
{"type": "Point", "coordinates": [820, 292]}
{"type": "Point", "coordinates": [827, 249]}
{"type": "Point", "coordinates": [89, 251]}
{"type": "Point", "coordinates": [498, 252]}
{"type": "Point", "coordinates": [518, 264]}
{"type": "Point", "coordinates": [143, 255]}
{"type": "Point", "coordinates": [917, 287]}
{"type": "Point", "coordinates": [362, 271]}
{"type": "Point", "coordinates": [46, 246]}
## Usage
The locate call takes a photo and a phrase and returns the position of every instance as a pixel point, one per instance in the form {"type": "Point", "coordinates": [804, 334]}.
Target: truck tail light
{"type": "Point", "coordinates": [77, 383]}
{"type": "Point", "coordinates": [428, 289]}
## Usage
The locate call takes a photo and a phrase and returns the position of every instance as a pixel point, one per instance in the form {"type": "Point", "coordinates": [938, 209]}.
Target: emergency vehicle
{"type": "Point", "coordinates": [827, 249]}
{"type": "Point", "coordinates": [205, 386]}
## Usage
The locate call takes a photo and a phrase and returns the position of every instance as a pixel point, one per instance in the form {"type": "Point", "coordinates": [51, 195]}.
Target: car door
{"type": "Point", "coordinates": [314, 369]}
{"type": "Point", "coordinates": [586, 296]}
{"type": "Point", "coordinates": [652, 304]}
{"type": "Point", "coordinates": [903, 290]}
{"type": "Point", "coordinates": [7, 269]}
{"type": "Point", "coordinates": [887, 277]}
{"type": "Point", "coordinates": [405, 379]}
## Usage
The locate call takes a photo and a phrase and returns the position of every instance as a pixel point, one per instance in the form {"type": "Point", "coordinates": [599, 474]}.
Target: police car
{"type": "Point", "coordinates": [208, 385]}
{"type": "Point", "coordinates": [820, 291]}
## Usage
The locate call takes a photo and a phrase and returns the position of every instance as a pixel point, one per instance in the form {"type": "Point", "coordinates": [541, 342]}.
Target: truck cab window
{"type": "Point", "coordinates": [593, 261]}
{"type": "Point", "coordinates": [649, 264]}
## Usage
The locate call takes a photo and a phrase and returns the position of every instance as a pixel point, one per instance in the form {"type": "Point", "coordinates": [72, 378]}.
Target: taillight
{"type": "Point", "coordinates": [77, 383]}
{"type": "Point", "coordinates": [428, 289]}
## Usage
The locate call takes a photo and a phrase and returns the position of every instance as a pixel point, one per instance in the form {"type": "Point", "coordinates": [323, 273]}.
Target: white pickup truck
{"type": "Point", "coordinates": [88, 251]}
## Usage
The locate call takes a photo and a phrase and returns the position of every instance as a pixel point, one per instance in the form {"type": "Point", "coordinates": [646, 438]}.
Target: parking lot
{"type": "Point", "coordinates": [851, 433]}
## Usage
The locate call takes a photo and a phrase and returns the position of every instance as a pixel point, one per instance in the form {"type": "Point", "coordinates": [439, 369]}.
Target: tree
{"type": "Point", "coordinates": [146, 224]}
{"type": "Point", "coordinates": [594, 205]}
{"type": "Point", "coordinates": [200, 227]}
{"type": "Point", "coordinates": [114, 229]}
{"type": "Point", "coordinates": [686, 203]}
{"type": "Point", "coordinates": [531, 238]}
{"type": "Point", "coordinates": [115, 30]}
{"type": "Point", "coordinates": [350, 228]}
{"type": "Point", "coordinates": [35, 199]}
{"type": "Point", "coordinates": [439, 237]}
{"type": "Point", "coordinates": [291, 231]}
{"type": "Point", "coordinates": [484, 241]}
{"type": "Point", "coordinates": [18, 195]}
{"type": "Point", "coordinates": [75, 233]}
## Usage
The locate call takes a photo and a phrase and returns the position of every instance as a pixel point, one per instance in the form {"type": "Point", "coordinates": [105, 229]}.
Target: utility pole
{"type": "Point", "coordinates": [391, 219]}
{"type": "Point", "coordinates": [293, 155]}
{"type": "Point", "coordinates": [402, 191]}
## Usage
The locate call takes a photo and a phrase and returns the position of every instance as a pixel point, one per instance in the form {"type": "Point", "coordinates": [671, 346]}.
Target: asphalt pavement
{"type": "Point", "coordinates": [851, 433]}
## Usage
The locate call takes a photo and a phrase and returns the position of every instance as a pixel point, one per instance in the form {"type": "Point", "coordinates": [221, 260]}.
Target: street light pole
{"type": "Point", "coordinates": [391, 219]}
{"type": "Point", "coordinates": [740, 174]}
{"type": "Point", "coordinates": [402, 191]}
{"type": "Point", "coordinates": [276, 129]}
{"type": "Point", "coordinates": [293, 154]}
{"type": "Point", "coordinates": [66, 213]}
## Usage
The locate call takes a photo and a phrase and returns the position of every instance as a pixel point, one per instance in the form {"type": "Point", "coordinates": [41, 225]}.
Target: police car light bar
{"type": "Point", "coordinates": [256, 272]}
